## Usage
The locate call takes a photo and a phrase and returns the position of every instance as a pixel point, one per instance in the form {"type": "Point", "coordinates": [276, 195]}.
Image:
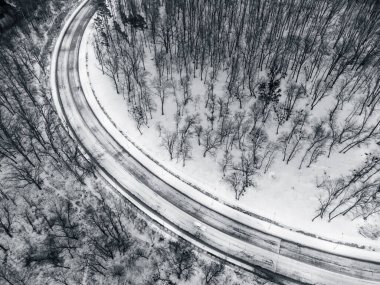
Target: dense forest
{"type": "Point", "coordinates": [300, 80]}
{"type": "Point", "coordinates": [59, 223]}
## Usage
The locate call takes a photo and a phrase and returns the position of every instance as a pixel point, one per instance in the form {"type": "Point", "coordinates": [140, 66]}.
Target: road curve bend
{"type": "Point", "coordinates": [241, 240]}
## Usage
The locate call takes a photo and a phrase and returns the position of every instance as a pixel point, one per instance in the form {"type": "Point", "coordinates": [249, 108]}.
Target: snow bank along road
{"type": "Point", "coordinates": [289, 257]}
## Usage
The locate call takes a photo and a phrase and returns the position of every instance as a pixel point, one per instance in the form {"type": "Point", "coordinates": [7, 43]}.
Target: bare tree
{"type": "Point", "coordinates": [182, 259]}
{"type": "Point", "coordinates": [212, 272]}
{"type": "Point", "coordinates": [257, 139]}
{"type": "Point", "coordinates": [7, 218]}
{"type": "Point", "coordinates": [184, 149]}
{"type": "Point", "coordinates": [198, 131]}
{"type": "Point", "coordinates": [317, 141]}
{"type": "Point", "coordinates": [269, 155]}
{"type": "Point", "coordinates": [357, 193]}
{"type": "Point", "coordinates": [293, 94]}
{"type": "Point", "coordinates": [242, 174]}
{"type": "Point", "coordinates": [291, 141]}
{"type": "Point", "coordinates": [280, 115]}
{"type": "Point", "coordinates": [319, 91]}
{"type": "Point", "coordinates": [227, 161]}
{"type": "Point", "coordinates": [161, 88]}
{"type": "Point", "coordinates": [169, 140]}
{"type": "Point", "coordinates": [210, 142]}
{"type": "Point", "coordinates": [27, 174]}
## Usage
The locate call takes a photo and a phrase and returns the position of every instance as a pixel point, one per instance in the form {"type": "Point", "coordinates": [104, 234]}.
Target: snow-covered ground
{"type": "Point", "coordinates": [285, 195]}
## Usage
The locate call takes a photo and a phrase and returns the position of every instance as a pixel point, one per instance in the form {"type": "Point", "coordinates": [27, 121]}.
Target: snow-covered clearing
{"type": "Point", "coordinates": [285, 194]}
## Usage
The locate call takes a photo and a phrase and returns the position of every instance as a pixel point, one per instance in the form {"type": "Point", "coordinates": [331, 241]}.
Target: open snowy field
{"type": "Point", "coordinates": [285, 194]}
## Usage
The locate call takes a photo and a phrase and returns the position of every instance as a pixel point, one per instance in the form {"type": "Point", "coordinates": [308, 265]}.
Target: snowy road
{"type": "Point", "coordinates": [210, 227]}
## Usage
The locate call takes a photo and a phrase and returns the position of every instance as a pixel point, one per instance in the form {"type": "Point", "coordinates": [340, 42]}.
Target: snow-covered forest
{"type": "Point", "coordinates": [255, 84]}
{"type": "Point", "coordinates": [245, 95]}
{"type": "Point", "coordinates": [58, 223]}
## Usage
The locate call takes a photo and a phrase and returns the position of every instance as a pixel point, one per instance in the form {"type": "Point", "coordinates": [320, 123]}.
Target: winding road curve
{"type": "Point", "coordinates": [236, 237]}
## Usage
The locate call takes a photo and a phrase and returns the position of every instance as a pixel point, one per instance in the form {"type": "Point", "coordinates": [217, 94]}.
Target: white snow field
{"type": "Point", "coordinates": [286, 195]}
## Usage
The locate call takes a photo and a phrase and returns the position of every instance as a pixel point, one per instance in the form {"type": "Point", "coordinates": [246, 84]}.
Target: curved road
{"type": "Point", "coordinates": [286, 260]}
